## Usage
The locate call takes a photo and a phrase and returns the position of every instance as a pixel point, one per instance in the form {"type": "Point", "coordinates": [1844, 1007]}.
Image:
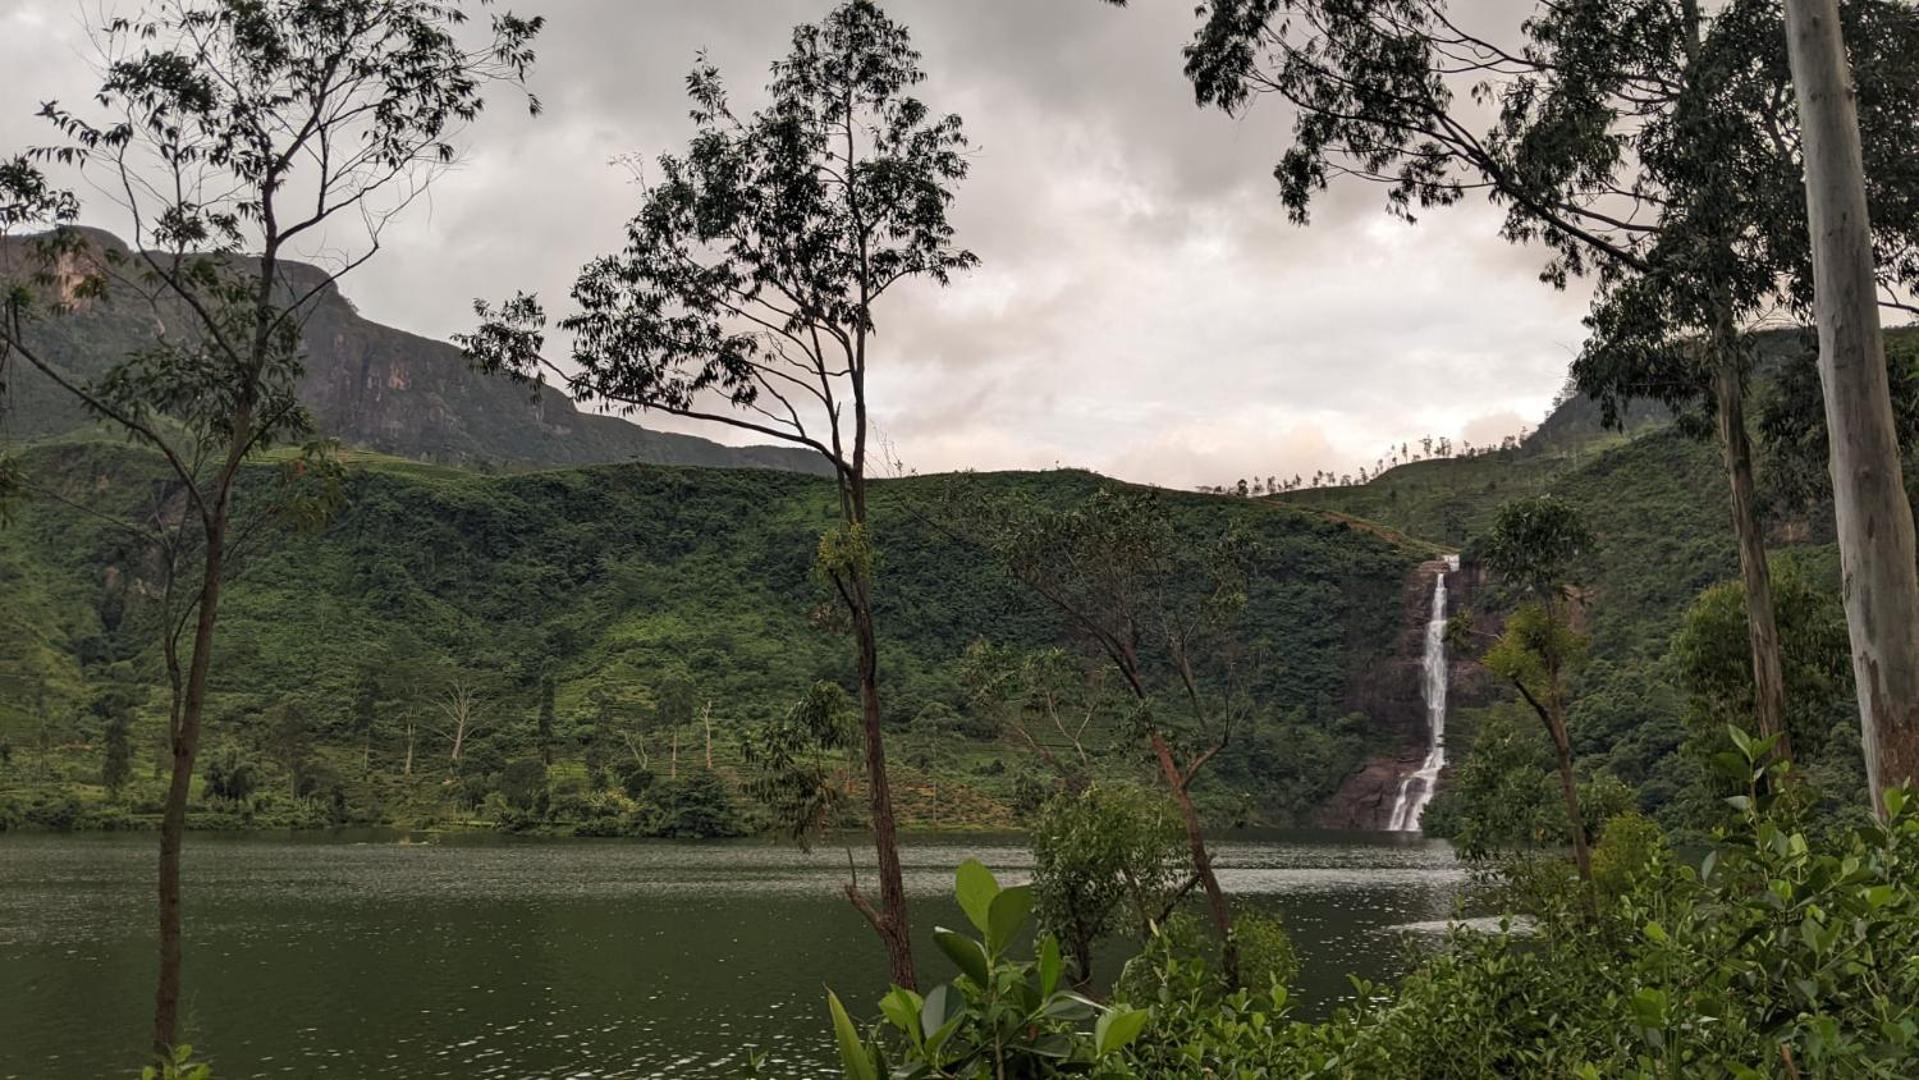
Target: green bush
{"type": "Point", "coordinates": [1105, 859]}
{"type": "Point", "coordinates": [523, 783]}
{"type": "Point", "coordinates": [1185, 956]}
{"type": "Point", "coordinates": [180, 1066]}
{"type": "Point", "coordinates": [1782, 953]}
{"type": "Point", "coordinates": [635, 779]}
{"type": "Point", "coordinates": [698, 807]}
{"type": "Point", "coordinates": [230, 776]}
{"type": "Point", "coordinates": [61, 813]}
{"type": "Point", "coordinates": [1000, 1018]}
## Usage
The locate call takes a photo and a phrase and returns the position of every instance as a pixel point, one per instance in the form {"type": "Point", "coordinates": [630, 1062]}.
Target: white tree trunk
{"type": "Point", "coordinates": [706, 718]}
{"type": "Point", "coordinates": [1874, 517]}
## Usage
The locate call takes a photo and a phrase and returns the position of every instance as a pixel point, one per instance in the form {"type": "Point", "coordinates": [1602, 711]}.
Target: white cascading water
{"type": "Point", "coordinates": [1416, 790]}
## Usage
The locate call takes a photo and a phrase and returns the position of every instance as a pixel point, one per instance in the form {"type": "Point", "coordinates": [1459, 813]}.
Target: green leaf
{"type": "Point", "coordinates": [1895, 800]}
{"type": "Point", "coordinates": [1049, 965]}
{"type": "Point", "coordinates": [853, 1055]}
{"type": "Point", "coordinates": [1006, 915]}
{"type": "Point", "coordinates": [970, 955]}
{"type": "Point", "coordinates": [942, 1006]}
{"type": "Point", "coordinates": [976, 890]}
{"type": "Point", "coordinates": [1741, 740]}
{"type": "Point", "coordinates": [901, 1007]}
{"type": "Point", "coordinates": [1057, 1045]}
{"type": "Point", "coordinates": [1068, 1007]}
{"type": "Point", "coordinates": [937, 1040]}
{"type": "Point", "coordinates": [1117, 1028]}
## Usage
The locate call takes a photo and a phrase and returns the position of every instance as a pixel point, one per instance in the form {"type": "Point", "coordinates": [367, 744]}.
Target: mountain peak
{"type": "Point", "coordinates": [387, 390]}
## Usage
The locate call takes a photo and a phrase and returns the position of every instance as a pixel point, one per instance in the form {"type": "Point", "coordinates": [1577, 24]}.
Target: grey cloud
{"type": "Point", "coordinates": [1143, 308]}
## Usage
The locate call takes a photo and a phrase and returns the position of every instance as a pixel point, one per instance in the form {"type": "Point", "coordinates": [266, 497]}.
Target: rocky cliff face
{"type": "Point", "coordinates": [1391, 696]}
{"type": "Point", "coordinates": [384, 389]}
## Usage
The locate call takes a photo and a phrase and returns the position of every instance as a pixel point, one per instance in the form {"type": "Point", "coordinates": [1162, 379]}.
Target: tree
{"type": "Point", "coordinates": [365, 713]}
{"type": "Point", "coordinates": [751, 277]}
{"type": "Point", "coordinates": [543, 731]}
{"type": "Point", "coordinates": [678, 699]}
{"type": "Point", "coordinates": [291, 741]}
{"type": "Point", "coordinates": [116, 766]}
{"type": "Point", "coordinates": [1155, 605]}
{"type": "Point", "coordinates": [1033, 692]}
{"type": "Point", "coordinates": [1876, 543]}
{"type": "Point", "coordinates": [230, 776]}
{"type": "Point", "coordinates": [1641, 142]}
{"type": "Point", "coordinates": [1812, 631]}
{"type": "Point", "coordinates": [1103, 857]}
{"type": "Point", "coordinates": [460, 705]}
{"type": "Point", "coordinates": [800, 765]}
{"type": "Point", "coordinates": [1536, 545]}
{"type": "Point", "coordinates": [227, 131]}
{"type": "Point", "coordinates": [1812, 626]}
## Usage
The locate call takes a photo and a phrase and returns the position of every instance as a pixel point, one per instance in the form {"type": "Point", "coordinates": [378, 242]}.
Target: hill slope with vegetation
{"type": "Point", "coordinates": [1656, 499]}
{"type": "Point", "coordinates": [650, 600]}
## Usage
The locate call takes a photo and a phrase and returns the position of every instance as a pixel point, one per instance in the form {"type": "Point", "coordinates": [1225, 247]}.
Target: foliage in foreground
{"type": "Point", "coordinates": [1000, 1018]}
{"type": "Point", "coordinates": [1785, 952]}
{"type": "Point", "coordinates": [1781, 954]}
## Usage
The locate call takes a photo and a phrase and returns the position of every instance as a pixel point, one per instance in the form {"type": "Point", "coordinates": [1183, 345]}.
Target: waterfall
{"type": "Point", "coordinates": [1416, 790]}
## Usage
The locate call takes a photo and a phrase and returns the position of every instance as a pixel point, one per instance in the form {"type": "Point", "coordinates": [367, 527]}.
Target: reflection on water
{"type": "Point", "coordinates": [484, 956]}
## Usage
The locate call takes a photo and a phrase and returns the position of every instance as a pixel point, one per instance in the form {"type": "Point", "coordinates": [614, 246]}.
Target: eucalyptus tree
{"type": "Point", "coordinates": [1647, 143]}
{"type": "Point", "coordinates": [1161, 608]}
{"type": "Point", "coordinates": [226, 133]}
{"type": "Point", "coordinates": [746, 296]}
{"type": "Point", "coordinates": [801, 764]}
{"type": "Point", "coordinates": [1536, 544]}
{"type": "Point", "coordinates": [1874, 514]}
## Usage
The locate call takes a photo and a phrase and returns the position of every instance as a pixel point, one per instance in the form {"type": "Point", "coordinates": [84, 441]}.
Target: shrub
{"type": "Point", "coordinates": [1000, 1018]}
{"type": "Point", "coordinates": [61, 813]}
{"type": "Point", "coordinates": [1780, 954]}
{"type": "Point", "coordinates": [635, 779]}
{"type": "Point", "coordinates": [1104, 862]}
{"type": "Point", "coordinates": [698, 807]}
{"type": "Point", "coordinates": [523, 783]}
{"type": "Point", "coordinates": [230, 776]}
{"type": "Point", "coordinates": [1184, 955]}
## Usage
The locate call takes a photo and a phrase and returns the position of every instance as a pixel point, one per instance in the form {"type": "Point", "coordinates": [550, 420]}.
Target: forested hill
{"type": "Point", "coordinates": [379, 388]}
{"type": "Point", "coordinates": [631, 586]}
{"type": "Point", "coordinates": [1658, 503]}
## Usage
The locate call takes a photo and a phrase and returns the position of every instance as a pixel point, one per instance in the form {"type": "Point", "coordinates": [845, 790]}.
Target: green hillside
{"type": "Point", "coordinates": [628, 585]}
{"type": "Point", "coordinates": [1658, 504]}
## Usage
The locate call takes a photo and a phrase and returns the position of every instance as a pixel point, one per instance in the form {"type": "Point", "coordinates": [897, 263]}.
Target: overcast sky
{"type": "Point", "coordinates": [1143, 307]}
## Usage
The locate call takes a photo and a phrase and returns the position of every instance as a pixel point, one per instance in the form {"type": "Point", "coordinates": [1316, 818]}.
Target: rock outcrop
{"type": "Point", "coordinates": [378, 388]}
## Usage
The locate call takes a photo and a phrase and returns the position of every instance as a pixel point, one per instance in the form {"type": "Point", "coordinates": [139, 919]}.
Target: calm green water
{"type": "Point", "coordinates": [347, 956]}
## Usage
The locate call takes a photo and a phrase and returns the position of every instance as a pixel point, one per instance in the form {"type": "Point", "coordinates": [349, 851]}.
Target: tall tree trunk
{"type": "Point", "coordinates": [1569, 790]}
{"type": "Point", "coordinates": [891, 919]}
{"type": "Point", "coordinates": [1874, 517]}
{"type": "Point", "coordinates": [1768, 677]}
{"type": "Point", "coordinates": [173, 820]}
{"type": "Point", "coordinates": [407, 770]}
{"type": "Point", "coordinates": [1216, 907]}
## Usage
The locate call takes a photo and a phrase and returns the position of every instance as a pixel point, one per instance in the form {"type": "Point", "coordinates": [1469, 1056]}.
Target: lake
{"type": "Point", "coordinates": [353, 955]}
